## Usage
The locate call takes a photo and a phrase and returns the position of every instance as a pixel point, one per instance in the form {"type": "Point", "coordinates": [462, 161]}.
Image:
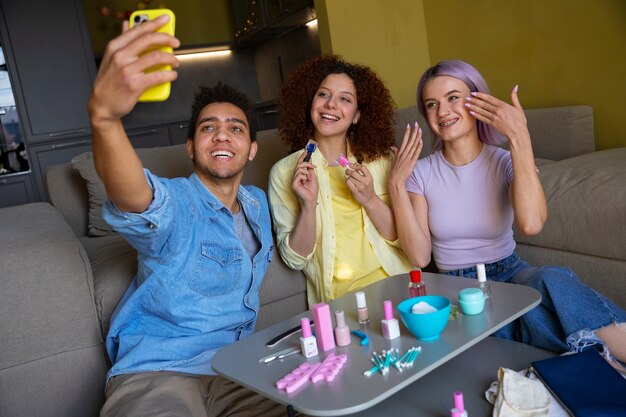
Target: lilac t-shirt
{"type": "Point", "coordinates": [469, 212]}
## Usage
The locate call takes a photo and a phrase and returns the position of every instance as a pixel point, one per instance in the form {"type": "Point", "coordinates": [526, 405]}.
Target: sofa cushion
{"type": "Point", "coordinates": [168, 161]}
{"type": "Point", "coordinates": [114, 264]}
{"type": "Point", "coordinates": [83, 163]}
{"type": "Point", "coordinates": [586, 198]}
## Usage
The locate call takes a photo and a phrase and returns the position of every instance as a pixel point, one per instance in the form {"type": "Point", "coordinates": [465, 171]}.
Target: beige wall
{"type": "Point", "coordinates": [560, 52]}
{"type": "Point", "coordinates": [388, 36]}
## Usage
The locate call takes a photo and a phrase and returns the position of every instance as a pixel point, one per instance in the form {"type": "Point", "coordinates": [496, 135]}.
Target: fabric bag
{"type": "Point", "coordinates": [519, 396]}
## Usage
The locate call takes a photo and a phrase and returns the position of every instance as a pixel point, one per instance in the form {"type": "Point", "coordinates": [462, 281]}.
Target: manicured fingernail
{"type": "Point", "coordinates": [416, 125]}
{"type": "Point", "coordinates": [408, 126]}
{"type": "Point", "coordinates": [474, 93]}
{"type": "Point", "coordinates": [515, 88]}
{"type": "Point", "coordinates": [473, 113]}
{"type": "Point", "coordinates": [467, 105]}
{"type": "Point", "coordinates": [420, 141]}
{"type": "Point", "coordinates": [419, 131]}
{"type": "Point", "coordinates": [468, 98]}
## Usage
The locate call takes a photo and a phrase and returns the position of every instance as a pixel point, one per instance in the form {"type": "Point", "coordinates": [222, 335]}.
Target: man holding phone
{"type": "Point", "coordinates": [203, 242]}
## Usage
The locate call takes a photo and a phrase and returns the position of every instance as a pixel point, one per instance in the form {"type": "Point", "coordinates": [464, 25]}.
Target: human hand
{"type": "Point", "coordinates": [360, 182]}
{"type": "Point", "coordinates": [304, 181]}
{"type": "Point", "coordinates": [508, 120]}
{"type": "Point", "coordinates": [121, 78]}
{"type": "Point", "coordinates": [406, 156]}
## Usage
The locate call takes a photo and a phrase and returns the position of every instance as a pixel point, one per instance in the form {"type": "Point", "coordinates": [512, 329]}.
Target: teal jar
{"type": "Point", "coordinates": [472, 301]}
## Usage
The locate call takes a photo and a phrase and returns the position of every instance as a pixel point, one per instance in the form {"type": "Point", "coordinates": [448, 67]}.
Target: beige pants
{"type": "Point", "coordinates": [174, 394]}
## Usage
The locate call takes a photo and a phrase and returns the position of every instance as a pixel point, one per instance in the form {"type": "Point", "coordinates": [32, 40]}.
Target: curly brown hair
{"type": "Point", "coordinates": [370, 138]}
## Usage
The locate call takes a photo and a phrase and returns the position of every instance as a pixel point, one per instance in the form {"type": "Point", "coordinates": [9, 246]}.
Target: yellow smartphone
{"type": "Point", "coordinates": [158, 92]}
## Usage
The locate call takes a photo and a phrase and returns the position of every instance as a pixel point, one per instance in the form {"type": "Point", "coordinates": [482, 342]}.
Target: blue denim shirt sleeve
{"type": "Point", "coordinates": [148, 231]}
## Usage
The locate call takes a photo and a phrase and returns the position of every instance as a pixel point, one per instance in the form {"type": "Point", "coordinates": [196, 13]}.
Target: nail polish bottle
{"type": "Point", "coordinates": [482, 283]}
{"type": "Point", "coordinates": [361, 308]}
{"type": "Point", "coordinates": [459, 406]}
{"type": "Point", "coordinates": [342, 332]}
{"type": "Point", "coordinates": [342, 160]}
{"type": "Point", "coordinates": [308, 344]}
{"type": "Point", "coordinates": [416, 286]}
{"type": "Point", "coordinates": [391, 328]}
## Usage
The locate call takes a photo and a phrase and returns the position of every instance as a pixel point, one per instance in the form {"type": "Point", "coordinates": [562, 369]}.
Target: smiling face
{"type": "Point", "coordinates": [221, 147]}
{"type": "Point", "coordinates": [444, 101]}
{"type": "Point", "coordinates": [334, 106]}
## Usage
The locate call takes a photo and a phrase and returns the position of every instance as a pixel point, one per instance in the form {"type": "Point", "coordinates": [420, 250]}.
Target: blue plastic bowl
{"type": "Point", "coordinates": [426, 327]}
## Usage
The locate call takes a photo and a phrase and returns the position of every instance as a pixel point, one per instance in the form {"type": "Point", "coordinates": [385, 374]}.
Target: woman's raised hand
{"type": "Point", "coordinates": [304, 182]}
{"type": "Point", "coordinates": [507, 119]}
{"type": "Point", "coordinates": [360, 183]}
{"type": "Point", "coordinates": [406, 156]}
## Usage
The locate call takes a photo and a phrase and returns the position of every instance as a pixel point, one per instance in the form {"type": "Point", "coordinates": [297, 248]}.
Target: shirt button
{"type": "Point", "coordinates": [152, 226]}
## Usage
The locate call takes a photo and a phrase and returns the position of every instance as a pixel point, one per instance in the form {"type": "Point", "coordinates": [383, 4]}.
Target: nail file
{"type": "Point", "coordinates": [285, 335]}
{"type": "Point", "coordinates": [280, 354]}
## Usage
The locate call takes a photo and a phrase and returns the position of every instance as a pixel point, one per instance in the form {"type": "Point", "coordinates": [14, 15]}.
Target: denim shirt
{"type": "Point", "coordinates": [196, 288]}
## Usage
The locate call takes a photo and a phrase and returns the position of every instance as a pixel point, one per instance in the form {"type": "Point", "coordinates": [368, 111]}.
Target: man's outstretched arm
{"type": "Point", "coordinates": [119, 83]}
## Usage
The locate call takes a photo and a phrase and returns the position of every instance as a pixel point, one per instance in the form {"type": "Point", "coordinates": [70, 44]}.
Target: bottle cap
{"type": "Point", "coordinates": [416, 276]}
{"type": "Point", "coordinates": [305, 323]}
{"type": "Point", "coordinates": [360, 300]}
{"type": "Point", "coordinates": [458, 401]}
{"type": "Point", "coordinates": [480, 271]}
{"type": "Point", "coordinates": [388, 308]}
{"type": "Point", "coordinates": [340, 318]}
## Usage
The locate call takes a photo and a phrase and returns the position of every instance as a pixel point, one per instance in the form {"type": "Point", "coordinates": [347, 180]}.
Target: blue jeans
{"type": "Point", "coordinates": [568, 307]}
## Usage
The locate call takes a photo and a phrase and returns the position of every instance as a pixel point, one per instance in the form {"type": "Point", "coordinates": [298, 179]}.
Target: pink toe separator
{"type": "Point", "coordinates": [296, 378]}
{"type": "Point", "coordinates": [330, 368]}
{"type": "Point", "coordinates": [326, 370]}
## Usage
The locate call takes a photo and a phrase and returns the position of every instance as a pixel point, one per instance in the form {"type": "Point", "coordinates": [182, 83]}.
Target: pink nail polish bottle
{"type": "Point", "coordinates": [342, 160]}
{"type": "Point", "coordinates": [459, 404]}
{"type": "Point", "coordinates": [342, 332]}
{"type": "Point", "coordinates": [391, 328]}
{"type": "Point", "coordinates": [308, 344]}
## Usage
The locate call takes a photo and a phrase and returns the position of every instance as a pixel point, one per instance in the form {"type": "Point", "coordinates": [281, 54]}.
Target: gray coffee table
{"type": "Point", "coordinates": [351, 391]}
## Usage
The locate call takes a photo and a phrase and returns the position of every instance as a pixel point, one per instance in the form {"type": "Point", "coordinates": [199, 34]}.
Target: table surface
{"type": "Point", "coordinates": [351, 392]}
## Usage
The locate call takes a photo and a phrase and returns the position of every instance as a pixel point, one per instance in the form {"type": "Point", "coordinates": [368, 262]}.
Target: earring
{"type": "Point", "coordinates": [354, 121]}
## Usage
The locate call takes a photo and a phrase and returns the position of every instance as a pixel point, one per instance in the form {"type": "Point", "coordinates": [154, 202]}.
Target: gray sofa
{"type": "Point", "coordinates": [63, 271]}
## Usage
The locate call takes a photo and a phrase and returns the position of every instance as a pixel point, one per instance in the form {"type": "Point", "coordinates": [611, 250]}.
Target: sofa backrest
{"type": "Point", "coordinates": [557, 133]}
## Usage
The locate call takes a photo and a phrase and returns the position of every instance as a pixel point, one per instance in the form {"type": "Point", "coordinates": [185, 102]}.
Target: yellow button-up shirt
{"type": "Point", "coordinates": [318, 266]}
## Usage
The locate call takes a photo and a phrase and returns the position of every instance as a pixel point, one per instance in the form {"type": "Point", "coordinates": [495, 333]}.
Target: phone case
{"type": "Point", "coordinates": [158, 92]}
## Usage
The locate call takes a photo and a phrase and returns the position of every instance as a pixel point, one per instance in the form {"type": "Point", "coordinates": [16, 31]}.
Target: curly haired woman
{"type": "Point", "coordinates": [335, 223]}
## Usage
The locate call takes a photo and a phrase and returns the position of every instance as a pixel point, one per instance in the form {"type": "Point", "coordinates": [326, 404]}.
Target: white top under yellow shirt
{"type": "Point", "coordinates": [319, 265]}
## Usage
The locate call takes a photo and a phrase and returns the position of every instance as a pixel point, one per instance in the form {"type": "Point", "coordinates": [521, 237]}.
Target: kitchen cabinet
{"type": "Point", "coordinates": [178, 132]}
{"type": "Point", "coordinates": [15, 189]}
{"type": "Point", "coordinates": [256, 21]}
{"type": "Point", "coordinates": [55, 67]}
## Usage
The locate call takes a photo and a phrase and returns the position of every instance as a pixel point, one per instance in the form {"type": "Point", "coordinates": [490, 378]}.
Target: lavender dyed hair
{"type": "Point", "coordinates": [475, 82]}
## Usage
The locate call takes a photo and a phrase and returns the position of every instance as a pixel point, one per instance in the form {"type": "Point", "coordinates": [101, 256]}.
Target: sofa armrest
{"type": "Point", "coordinates": [51, 355]}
